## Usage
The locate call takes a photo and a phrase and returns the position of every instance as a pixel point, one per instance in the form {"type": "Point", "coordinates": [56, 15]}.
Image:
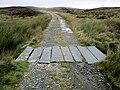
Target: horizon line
{"type": "Point", "coordinates": [54, 6]}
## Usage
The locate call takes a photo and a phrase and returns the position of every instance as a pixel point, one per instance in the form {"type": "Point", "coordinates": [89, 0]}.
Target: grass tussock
{"type": "Point", "coordinates": [111, 67]}
{"type": "Point", "coordinates": [11, 75]}
{"type": "Point", "coordinates": [14, 34]}
{"type": "Point", "coordinates": [105, 35]}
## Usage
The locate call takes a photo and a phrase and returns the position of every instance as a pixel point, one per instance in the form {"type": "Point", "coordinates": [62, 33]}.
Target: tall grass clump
{"type": "Point", "coordinates": [105, 35]}
{"type": "Point", "coordinates": [12, 74]}
{"type": "Point", "coordinates": [111, 67]}
{"type": "Point", "coordinates": [101, 33]}
{"type": "Point", "coordinates": [14, 34]}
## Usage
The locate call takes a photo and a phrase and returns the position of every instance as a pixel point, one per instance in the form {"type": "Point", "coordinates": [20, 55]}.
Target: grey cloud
{"type": "Point", "coordinates": [57, 3]}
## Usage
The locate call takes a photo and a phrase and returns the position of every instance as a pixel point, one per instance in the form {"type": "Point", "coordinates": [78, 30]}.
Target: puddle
{"type": "Point", "coordinates": [63, 26]}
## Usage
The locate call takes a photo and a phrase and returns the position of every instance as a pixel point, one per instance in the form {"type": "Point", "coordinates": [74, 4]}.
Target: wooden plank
{"type": "Point", "coordinates": [96, 52]}
{"type": "Point", "coordinates": [25, 54]}
{"type": "Point", "coordinates": [76, 54]}
{"type": "Point", "coordinates": [45, 58]}
{"type": "Point", "coordinates": [87, 55]}
{"type": "Point", "coordinates": [35, 54]}
{"type": "Point", "coordinates": [57, 54]}
{"type": "Point", "coordinates": [67, 55]}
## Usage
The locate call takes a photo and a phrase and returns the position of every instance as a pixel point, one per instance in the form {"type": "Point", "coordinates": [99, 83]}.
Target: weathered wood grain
{"type": "Point", "coordinates": [25, 54]}
{"type": "Point", "coordinates": [56, 54]}
{"type": "Point", "coordinates": [46, 55]}
{"type": "Point", "coordinates": [87, 55]}
{"type": "Point", "coordinates": [96, 52]}
{"type": "Point", "coordinates": [76, 54]}
{"type": "Point", "coordinates": [35, 54]}
{"type": "Point", "coordinates": [67, 55]}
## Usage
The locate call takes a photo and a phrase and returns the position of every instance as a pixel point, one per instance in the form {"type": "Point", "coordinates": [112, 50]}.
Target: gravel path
{"type": "Point", "coordinates": [62, 76]}
{"type": "Point", "coordinates": [54, 28]}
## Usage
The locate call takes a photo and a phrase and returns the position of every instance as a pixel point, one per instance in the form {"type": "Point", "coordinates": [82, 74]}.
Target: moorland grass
{"type": "Point", "coordinates": [101, 33]}
{"type": "Point", "coordinates": [12, 74]}
{"type": "Point", "coordinates": [15, 33]}
{"type": "Point", "coordinates": [111, 67]}
{"type": "Point", "coordinates": [105, 35]}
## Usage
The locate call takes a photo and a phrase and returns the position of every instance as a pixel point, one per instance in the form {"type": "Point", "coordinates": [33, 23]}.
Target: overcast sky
{"type": "Point", "coordinates": [83, 4]}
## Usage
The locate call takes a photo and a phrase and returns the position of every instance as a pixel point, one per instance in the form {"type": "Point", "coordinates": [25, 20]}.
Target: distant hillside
{"type": "Point", "coordinates": [106, 8]}
{"type": "Point", "coordinates": [60, 9]}
{"type": "Point", "coordinates": [63, 8]}
{"type": "Point", "coordinates": [101, 8]}
{"type": "Point", "coordinates": [99, 13]}
{"type": "Point", "coordinates": [19, 11]}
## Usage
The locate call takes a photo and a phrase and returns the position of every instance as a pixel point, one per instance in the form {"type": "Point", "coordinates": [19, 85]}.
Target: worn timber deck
{"type": "Point", "coordinates": [62, 54]}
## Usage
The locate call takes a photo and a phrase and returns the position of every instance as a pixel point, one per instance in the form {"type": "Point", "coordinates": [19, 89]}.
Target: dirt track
{"type": "Point", "coordinates": [62, 76]}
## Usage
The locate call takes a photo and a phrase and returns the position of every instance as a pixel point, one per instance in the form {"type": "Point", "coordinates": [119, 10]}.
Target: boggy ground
{"type": "Point", "coordinates": [62, 76]}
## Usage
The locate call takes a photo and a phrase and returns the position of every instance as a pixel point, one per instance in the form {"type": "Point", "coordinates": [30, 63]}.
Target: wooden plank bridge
{"type": "Point", "coordinates": [62, 54]}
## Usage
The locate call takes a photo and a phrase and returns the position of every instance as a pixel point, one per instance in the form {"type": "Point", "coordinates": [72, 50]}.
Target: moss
{"type": "Point", "coordinates": [63, 85]}
{"type": "Point", "coordinates": [53, 75]}
{"type": "Point", "coordinates": [63, 75]}
{"type": "Point", "coordinates": [65, 65]}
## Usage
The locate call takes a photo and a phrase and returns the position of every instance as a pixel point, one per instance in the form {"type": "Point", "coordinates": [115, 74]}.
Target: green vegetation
{"type": "Point", "coordinates": [97, 13]}
{"type": "Point", "coordinates": [63, 75]}
{"type": "Point", "coordinates": [105, 35]}
{"type": "Point", "coordinates": [12, 74]}
{"type": "Point", "coordinates": [65, 65]}
{"type": "Point", "coordinates": [60, 78]}
{"type": "Point", "coordinates": [100, 33]}
{"type": "Point", "coordinates": [54, 76]}
{"type": "Point", "coordinates": [59, 39]}
{"type": "Point", "coordinates": [16, 32]}
{"type": "Point", "coordinates": [111, 67]}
